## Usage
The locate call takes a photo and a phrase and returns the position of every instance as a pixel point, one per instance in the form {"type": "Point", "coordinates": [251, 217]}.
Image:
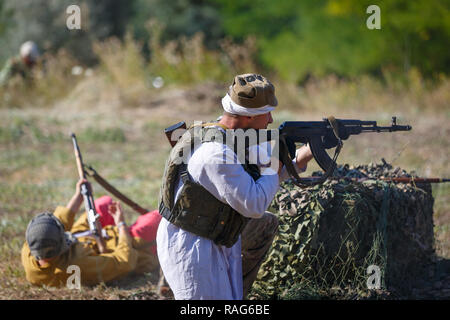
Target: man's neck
{"type": "Point", "coordinates": [231, 122]}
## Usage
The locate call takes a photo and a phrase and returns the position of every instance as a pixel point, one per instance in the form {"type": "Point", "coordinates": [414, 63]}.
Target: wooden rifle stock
{"type": "Point", "coordinates": [170, 132]}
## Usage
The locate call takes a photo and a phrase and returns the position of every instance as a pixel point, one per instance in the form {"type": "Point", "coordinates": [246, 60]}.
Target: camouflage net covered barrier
{"type": "Point", "coordinates": [330, 234]}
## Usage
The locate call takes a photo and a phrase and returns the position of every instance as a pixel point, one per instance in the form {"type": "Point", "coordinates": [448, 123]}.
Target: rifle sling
{"type": "Point", "coordinates": [290, 167]}
{"type": "Point", "coordinates": [334, 125]}
{"type": "Point", "coordinates": [285, 159]}
{"type": "Point", "coordinates": [92, 173]}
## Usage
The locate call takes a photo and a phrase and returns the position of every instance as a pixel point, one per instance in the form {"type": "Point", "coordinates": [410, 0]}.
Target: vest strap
{"type": "Point", "coordinates": [184, 174]}
{"type": "Point", "coordinates": [196, 210]}
{"type": "Point", "coordinates": [164, 211]}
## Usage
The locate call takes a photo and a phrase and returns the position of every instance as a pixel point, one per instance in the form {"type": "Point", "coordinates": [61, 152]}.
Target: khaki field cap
{"type": "Point", "coordinates": [252, 91]}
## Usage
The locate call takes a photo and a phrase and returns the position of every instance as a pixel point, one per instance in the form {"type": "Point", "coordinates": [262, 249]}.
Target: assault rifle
{"type": "Point", "coordinates": [320, 135]}
{"type": "Point", "coordinates": [93, 217]}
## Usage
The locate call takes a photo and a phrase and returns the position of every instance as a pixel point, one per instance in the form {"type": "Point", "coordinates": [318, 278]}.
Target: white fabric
{"type": "Point", "coordinates": [231, 107]}
{"type": "Point", "coordinates": [195, 267]}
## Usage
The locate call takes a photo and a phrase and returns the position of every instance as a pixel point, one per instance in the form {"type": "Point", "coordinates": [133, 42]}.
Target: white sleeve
{"type": "Point", "coordinates": [229, 182]}
{"type": "Point", "coordinates": [284, 175]}
{"type": "Point", "coordinates": [262, 153]}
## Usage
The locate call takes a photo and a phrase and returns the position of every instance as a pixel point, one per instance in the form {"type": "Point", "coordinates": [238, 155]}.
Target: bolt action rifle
{"type": "Point", "coordinates": [92, 216]}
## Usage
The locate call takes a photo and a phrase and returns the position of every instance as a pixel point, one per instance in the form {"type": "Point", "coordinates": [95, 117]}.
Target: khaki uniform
{"type": "Point", "coordinates": [14, 67]}
{"type": "Point", "coordinates": [125, 254]}
{"type": "Point", "coordinates": [256, 241]}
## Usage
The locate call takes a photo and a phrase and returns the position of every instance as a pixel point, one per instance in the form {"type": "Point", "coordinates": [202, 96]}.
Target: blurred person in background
{"type": "Point", "coordinates": [22, 65]}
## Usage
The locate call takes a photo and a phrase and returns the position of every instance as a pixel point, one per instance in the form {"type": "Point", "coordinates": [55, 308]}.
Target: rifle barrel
{"type": "Point", "coordinates": [352, 122]}
{"type": "Point", "coordinates": [385, 129]}
{"type": "Point", "coordinates": [396, 179]}
{"type": "Point", "coordinates": [78, 157]}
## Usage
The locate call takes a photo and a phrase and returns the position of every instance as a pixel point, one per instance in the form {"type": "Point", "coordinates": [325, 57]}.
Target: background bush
{"type": "Point", "coordinates": [295, 39]}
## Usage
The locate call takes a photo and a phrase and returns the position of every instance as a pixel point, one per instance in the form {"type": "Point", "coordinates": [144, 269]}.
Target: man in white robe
{"type": "Point", "coordinates": [195, 267]}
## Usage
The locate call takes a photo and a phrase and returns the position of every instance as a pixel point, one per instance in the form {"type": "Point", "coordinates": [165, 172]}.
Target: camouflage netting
{"type": "Point", "coordinates": [329, 234]}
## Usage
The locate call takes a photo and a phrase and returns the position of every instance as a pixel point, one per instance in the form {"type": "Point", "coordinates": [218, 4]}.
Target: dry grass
{"type": "Point", "coordinates": [119, 116]}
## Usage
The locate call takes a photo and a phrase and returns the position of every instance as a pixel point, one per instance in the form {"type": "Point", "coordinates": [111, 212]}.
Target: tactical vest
{"type": "Point", "coordinates": [196, 209]}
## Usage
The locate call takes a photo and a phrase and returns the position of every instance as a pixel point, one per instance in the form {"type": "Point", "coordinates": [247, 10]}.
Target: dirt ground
{"type": "Point", "coordinates": [37, 168]}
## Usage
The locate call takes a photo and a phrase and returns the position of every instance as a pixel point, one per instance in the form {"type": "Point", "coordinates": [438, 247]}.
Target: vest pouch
{"type": "Point", "coordinates": [193, 215]}
{"type": "Point", "coordinates": [197, 210]}
{"type": "Point", "coordinates": [222, 218]}
{"type": "Point", "coordinates": [202, 214]}
{"type": "Point", "coordinates": [233, 223]}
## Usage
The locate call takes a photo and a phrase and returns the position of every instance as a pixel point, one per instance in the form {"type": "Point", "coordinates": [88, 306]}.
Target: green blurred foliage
{"type": "Point", "coordinates": [315, 37]}
{"type": "Point", "coordinates": [5, 17]}
{"type": "Point", "coordinates": [179, 18]}
{"type": "Point", "coordinates": [295, 39]}
{"type": "Point", "coordinates": [44, 21]}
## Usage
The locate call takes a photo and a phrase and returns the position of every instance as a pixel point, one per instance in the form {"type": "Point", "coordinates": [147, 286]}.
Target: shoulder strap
{"type": "Point", "coordinates": [184, 174]}
{"type": "Point", "coordinates": [210, 124]}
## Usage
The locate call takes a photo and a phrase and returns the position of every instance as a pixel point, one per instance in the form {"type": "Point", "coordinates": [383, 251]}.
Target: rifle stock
{"type": "Point", "coordinates": [170, 131]}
